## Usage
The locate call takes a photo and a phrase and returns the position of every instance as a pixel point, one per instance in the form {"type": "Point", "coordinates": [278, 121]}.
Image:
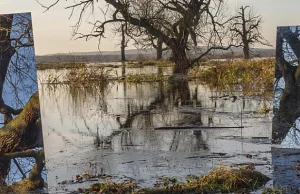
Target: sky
{"type": "Point", "coordinates": [52, 29]}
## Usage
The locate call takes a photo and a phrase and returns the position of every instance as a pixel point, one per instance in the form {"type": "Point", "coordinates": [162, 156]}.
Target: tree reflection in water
{"type": "Point", "coordinates": [124, 111]}
{"type": "Point", "coordinates": [142, 122]}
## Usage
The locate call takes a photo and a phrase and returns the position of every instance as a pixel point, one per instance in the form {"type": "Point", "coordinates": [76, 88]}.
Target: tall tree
{"type": "Point", "coordinates": [288, 69]}
{"type": "Point", "coordinates": [184, 24]}
{"type": "Point", "coordinates": [123, 43]}
{"type": "Point", "coordinates": [246, 27]}
{"type": "Point", "coordinates": [22, 133]}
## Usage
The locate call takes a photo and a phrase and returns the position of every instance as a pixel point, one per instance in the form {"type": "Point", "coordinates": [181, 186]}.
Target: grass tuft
{"type": "Point", "coordinates": [224, 180]}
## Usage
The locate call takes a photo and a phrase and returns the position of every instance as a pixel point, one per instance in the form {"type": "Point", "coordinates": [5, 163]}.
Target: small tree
{"type": "Point", "coordinates": [149, 41]}
{"type": "Point", "coordinates": [246, 27]}
{"type": "Point", "coordinates": [124, 43]}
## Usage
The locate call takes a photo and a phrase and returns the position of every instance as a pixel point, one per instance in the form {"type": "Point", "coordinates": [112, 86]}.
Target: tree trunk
{"type": "Point", "coordinates": [123, 43]}
{"type": "Point", "coordinates": [4, 170]}
{"type": "Point", "coordinates": [245, 35]}
{"type": "Point", "coordinates": [289, 107]}
{"type": "Point", "coordinates": [20, 131]}
{"type": "Point", "coordinates": [183, 91]}
{"type": "Point", "coordinates": [182, 64]}
{"type": "Point", "coordinates": [159, 49]}
{"type": "Point", "coordinates": [246, 50]}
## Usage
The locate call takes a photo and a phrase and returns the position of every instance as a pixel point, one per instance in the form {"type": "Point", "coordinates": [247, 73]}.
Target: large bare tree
{"type": "Point", "coordinates": [184, 25]}
{"type": "Point", "coordinates": [287, 69]}
{"type": "Point", "coordinates": [246, 28]}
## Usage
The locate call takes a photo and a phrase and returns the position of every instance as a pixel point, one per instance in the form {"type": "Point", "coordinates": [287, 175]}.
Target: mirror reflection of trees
{"type": "Point", "coordinates": [287, 90]}
{"type": "Point", "coordinates": [124, 115]}
{"type": "Point", "coordinates": [21, 155]}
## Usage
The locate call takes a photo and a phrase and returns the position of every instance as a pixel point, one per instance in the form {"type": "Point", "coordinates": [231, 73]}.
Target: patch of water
{"type": "Point", "coordinates": [123, 131]}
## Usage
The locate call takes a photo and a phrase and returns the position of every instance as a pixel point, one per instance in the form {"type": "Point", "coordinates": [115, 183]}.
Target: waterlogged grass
{"type": "Point", "coordinates": [158, 63]}
{"type": "Point", "coordinates": [275, 191]}
{"type": "Point", "coordinates": [137, 78]}
{"type": "Point", "coordinates": [250, 73]}
{"type": "Point", "coordinates": [85, 75]}
{"type": "Point", "coordinates": [221, 180]}
{"type": "Point", "coordinates": [66, 65]}
{"type": "Point", "coordinates": [255, 76]}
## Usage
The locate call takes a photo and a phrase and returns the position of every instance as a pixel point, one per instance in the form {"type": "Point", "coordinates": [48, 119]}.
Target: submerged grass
{"type": "Point", "coordinates": [255, 77]}
{"type": "Point", "coordinates": [158, 63]}
{"type": "Point", "coordinates": [137, 78]}
{"type": "Point", "coordinates": [65, 65]}
{"type": "Point", "coordinates": [220, 180]}
{"type": "Point", "coordinates": [85, 75]}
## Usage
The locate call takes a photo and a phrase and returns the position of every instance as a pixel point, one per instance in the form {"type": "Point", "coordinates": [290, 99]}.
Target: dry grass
{"type": "Point", "coordinates": [252, 74]}
{"type": "Point", "coordinates": [220, 180]}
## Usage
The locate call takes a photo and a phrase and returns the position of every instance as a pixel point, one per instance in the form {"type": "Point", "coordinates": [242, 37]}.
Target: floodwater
{"type": "Point", "coordinates": [146, 131]}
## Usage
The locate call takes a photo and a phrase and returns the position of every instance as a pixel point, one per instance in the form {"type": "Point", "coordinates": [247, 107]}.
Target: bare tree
{"type": "Point", "coordinates": [148, 41]}
{"type": "Point", "coordinates": [246, 27]}
{"type": "Point", "coordinates": [288, 69]}
{"type": "Point", "coordinates": [184, 24]}
{"type": "Point", "coordinates": [123, 43]}
{"type": "Point", "coordinates": [121, 29]}
{"type": "Point", "coordinates": [22, 133]}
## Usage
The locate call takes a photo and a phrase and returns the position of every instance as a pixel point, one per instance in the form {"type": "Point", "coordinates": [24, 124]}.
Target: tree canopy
{"type": "Point", "coordinates": [246, 29]}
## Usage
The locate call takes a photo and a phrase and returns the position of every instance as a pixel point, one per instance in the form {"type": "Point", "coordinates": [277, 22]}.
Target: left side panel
{"type": "Point", "coordinates": [22, 163]}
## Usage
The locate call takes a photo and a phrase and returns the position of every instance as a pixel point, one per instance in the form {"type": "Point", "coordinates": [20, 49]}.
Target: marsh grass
{"type": "Point", "coordinates": [85, 75]}
{"type": "Point", "coordinates": [158, 63]}
{"type": "Point", "coordinates": [253, 75]}
{"type": "Point", "coordinates": [277, 190]}
{"type": "Point", "coordinates": [62, 65]}
{"type": "Point", "coordinates": [137, 78]}
{"type": "Point", "coordinates": [220, 180]}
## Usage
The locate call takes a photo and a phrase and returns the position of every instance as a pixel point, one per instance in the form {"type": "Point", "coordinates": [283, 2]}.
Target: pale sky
{"type": "Point", "coordinates": [52, 29]}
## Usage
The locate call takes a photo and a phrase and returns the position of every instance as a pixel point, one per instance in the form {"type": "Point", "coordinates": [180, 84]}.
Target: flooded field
{"type": "Point", "coordinates": [149, 130]}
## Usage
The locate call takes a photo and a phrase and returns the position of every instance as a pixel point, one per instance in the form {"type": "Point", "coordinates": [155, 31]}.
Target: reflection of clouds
{"type": "Point", "coordinates": [292, 139]}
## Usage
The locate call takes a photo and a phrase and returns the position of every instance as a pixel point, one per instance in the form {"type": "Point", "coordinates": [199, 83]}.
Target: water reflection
{"type": "Point", "coordinates": [147, 130]}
